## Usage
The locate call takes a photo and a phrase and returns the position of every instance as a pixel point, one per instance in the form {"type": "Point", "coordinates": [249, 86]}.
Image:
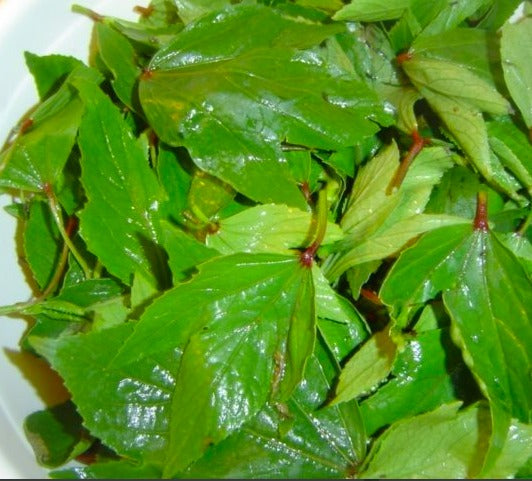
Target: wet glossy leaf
{"type": "Point", "coordinates": [49, 71]}
{"type": "Point", "coordinates": [369, 366]}
{"type": "Point", "coordinates": [122, 191]}
{"type": "Point", "coordinates": [453, 80]}
{"type": "Point", "coordinates": [42, 243]}
{"type": "Point", "coordinates": [226, 86]}
{"type": "Point", "coordinates": [442, 443]}
{"type": "Point", "coordinates": [123, 469]}
{"type": "Point", "coordinates": [422, 379]}
{"type": "Point", "coordinates": [56, 434]}
{"type": "Point", "coordinates": [317, 442]}
{"type": "Point", "coordinates": [516, 40]}
{"type": "Point", "coordinates": [372, 10]}
{"type": "Point", "coordinates": [190, 10]}
{"type": "Point", "coordinates": [128, 408]}
{"type": "Point", "coordinates": [224, 317]}
{"type": "Point", "coordinates": [38, 154]}
{"type": "Point", "coordinates": [467, 126]}
{"type": "Point", "coordinates": [208, 195]}
{"type": "Point", "coordinates": [120, 58]}
{"type": "Point", "coordinates": [268, 228]}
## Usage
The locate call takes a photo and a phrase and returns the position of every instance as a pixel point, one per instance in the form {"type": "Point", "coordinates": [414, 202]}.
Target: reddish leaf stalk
{"type": "Point", "coordinates": [418, 143]}
{"type": "Point", "coordinates": [481, 217]}
{"type": "Point", "coordinates": [307, 256]}
{"type": "Point", "coordinates": [403, 57]}
{"type": "Point", "coordinates": [144, 12]}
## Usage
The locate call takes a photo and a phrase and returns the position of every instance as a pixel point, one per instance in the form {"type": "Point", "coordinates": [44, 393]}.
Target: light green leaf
{"type": "Point", "coordinates": [123, 469]}
{"type": "Point", "coordinates": [119, 222]}
{"type": "Point", "coordinates": [372, 10]}
{"type": "Point", "coordinates": [369, 367]}
{"type": "Point", "coordinates": [467, 126]}
{"type": "Point", "coordinates": [521, 247]}
{"type": "Point", "coordinates": [424, 376]}
{"type": "Point", "coordinates": [444, 443]}
{"type": "Point", "coordinates": [233, 99]}
{"type": "Point", "coordinates": [516, 41]}
{"type": "Point", "coordinates": [451, 14]}
{"type": "Point", "coordinates": [452, 80]}
{"type": "Point", "coordinates": [208, 195]}
{"type": "Point", "coordinates": [268, 228]}
{"type": "Point", "coordinates": [513, 149]}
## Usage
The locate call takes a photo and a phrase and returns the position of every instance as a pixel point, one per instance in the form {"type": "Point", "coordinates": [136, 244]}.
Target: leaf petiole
{"type": "Point", "coordinates": [321, 210]}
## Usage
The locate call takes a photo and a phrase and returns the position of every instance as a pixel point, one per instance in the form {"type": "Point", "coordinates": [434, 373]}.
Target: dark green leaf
{"type": "Point", "coordinates": [215, 93]}
{"type": "Point", "coordinates": [122, 190]}
{"type": "Point", "coordinates": [128, 408]}
{"type": "Point", "coordinates": [50, 71]}
{"type": "Point", "coordinates": [56, 434]}
{"type": "Point", "coordinates": [109, 470]}
{"type": "Point", "coordinates": [42, 243]}
{"type": "Point", "coordinates": [120, 58]}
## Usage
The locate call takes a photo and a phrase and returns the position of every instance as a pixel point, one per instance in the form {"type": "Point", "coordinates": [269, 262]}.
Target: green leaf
{"type": "Point", "coordinates": [208, 195]}
{"type": "Point", "coordinates": [128, 408]}
{"type": "Point", "coordinates": [225, 317]}
{"type": "Point", "coordinates": [35, 159]}
{"type": "Point", "coordinates": [451, 14]}
{"type": "Point", "coordinates": [521, 247]}
{"type": "Point", "coordinates": [42, 243]}
{"type": "Point", "coordinates": [184, 252]}
{"type": "Point", "coordinates": [378, 224]}
{"type": "Point", "coordinates": [49, 71]}
{"type": "Point", "coordinates": [190, 10]}
{"type": "Point", "coordinates": [516, 40]}
{"type": "Point", "coordinates": [123, 469]}
{"type": "Point", "coordinates": [230, 368]}
{"type": "Point", "coordinates": [301, 439]}
{"type": "Point", "coordinates": [423, 377]}
{"type": "Point", "coordinates": [444, 443]}
{"type": "Point", "coordinates": [122, 190]}
{"type": "Point", "coordinates": [370, 365]}
{"type": "Point", "coordinates": [56, 434]}
{"type": "Point", "coordinates": [120, 58]}
{"type": "Point", "coordinates": [232, 99]}
{"type": "Point", "coordinates": [372, 10]}
{"type": "Point", "coordinates": [475, 273]}
{"type": "Point", "coordinates": [268, 228]}
{"type": "Point", "coordinates": [452, 80]}
{"type": "Point", "coordinates": [467, 126]}
{"type": "Point", "coordinates": [495, 336]}
{"type": "Point", "coordinates": [513, 149]}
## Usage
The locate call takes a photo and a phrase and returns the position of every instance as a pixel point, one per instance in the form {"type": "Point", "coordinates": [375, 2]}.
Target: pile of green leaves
{"type": "Point", "coordinates": [283, 240]}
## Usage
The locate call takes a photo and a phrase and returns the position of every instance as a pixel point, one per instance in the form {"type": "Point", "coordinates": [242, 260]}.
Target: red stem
{"type": "Point", "coordinates": [418, 143]}
{"type": "Point", "coordinates": [481, 216]}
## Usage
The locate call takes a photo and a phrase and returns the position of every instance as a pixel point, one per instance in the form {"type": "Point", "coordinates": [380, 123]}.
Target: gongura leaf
{"type": "Point", "coordinates": [236, 341]}
{"type": "Point", "coordinates": [233, 99]}
{"type": "Point", "coordinates": [442, 443]}
{"type": "Point", "coordinates": [56, 434]}
{"type": "Point", "coordinates": [42, 243]}
{"type": "Point", "coordinates": [268, 228]}
{"type": "Point", "coordinates": [36, 157]}
{"type": "Point", "coordinates": [120, 58]}
{"type": "Point", "coordinates": [423, 377]}
{"type": "Point", "coordinates": [372, 10]}
{"type": "Point", "coordinates": [475, 272]}
{"type": "Point", "coordinates": [299, 439]}
{"type": "Point", "coordinates": [123, 469]}
{"type": "Point", "coordinates": [122, 190]}
{"type": "Point", "coordinates": [129, 407]}
{"type": "Point", "coordinates": [516, 40]}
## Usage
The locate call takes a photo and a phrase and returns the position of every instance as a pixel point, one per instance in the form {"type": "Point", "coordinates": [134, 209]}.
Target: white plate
{"type": "Point", "coordinates": [41, 27]}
